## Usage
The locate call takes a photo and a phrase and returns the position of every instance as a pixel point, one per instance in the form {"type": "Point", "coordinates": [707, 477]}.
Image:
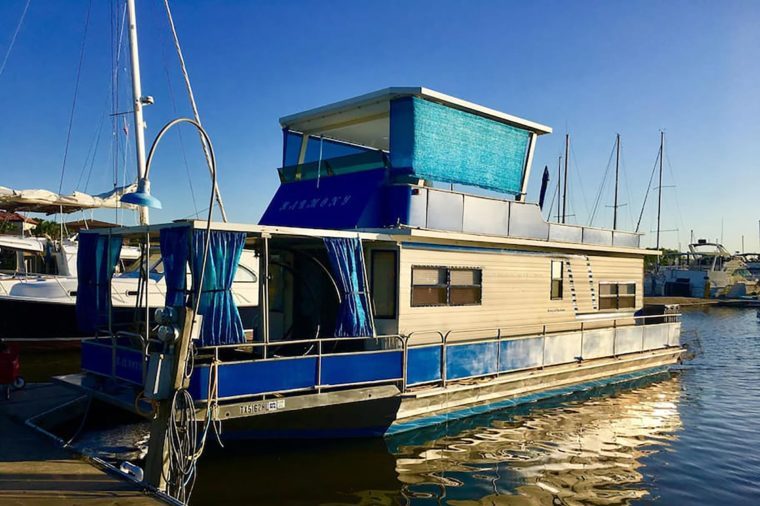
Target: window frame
{"type": "Point", "coordinates": [448, 286]}
{"type": "Point", "coordinates": [394, 313]}
{"type": "Point", "coordinates": [561, 279]}
{"type": "Point", "coordinates": [617, 296]}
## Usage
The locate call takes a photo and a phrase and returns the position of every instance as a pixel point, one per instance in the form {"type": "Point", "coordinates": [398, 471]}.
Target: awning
{"type": "Point", "coordinates": [45, 201]}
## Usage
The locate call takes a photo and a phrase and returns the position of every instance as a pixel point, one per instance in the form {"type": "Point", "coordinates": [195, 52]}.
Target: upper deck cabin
{"type": "Point", "coordinates": [381, 160]}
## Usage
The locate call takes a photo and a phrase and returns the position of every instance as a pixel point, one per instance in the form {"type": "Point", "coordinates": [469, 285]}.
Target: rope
{"type": "Point", "coordinates": [196, 115]}
{"type": "Point", "coordinates": [76, 94]}
{"type": "Point", "coordinates": [13, 38]}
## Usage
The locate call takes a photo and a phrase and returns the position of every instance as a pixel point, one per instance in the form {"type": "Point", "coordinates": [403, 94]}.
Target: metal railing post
{"type": "Point", "coordinates": [405, 361]}
{"type": "Point", "coordinates": [498, 351]}
{"type": "Point", "coordinates": [444, 337]}
{"type": "Point", "coordinates": [319, 366]}
{"type": "Point", "coordinates": [643, 336]}
{"type": "Point", "coordinates": [543, 351]}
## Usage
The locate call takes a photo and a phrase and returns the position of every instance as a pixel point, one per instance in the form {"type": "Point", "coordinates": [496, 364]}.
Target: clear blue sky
{"type": "Point", "coordinates": [590, 68]}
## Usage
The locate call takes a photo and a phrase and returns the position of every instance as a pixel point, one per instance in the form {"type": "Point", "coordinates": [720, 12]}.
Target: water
{"type": "Point", "coordinates": [689, 438]}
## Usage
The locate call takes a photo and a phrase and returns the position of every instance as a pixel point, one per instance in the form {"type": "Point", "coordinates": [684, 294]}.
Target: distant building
{"type": "Point", "coordinates": [14, 223]}
{"type": "Point", "coordinates": [74, 227]}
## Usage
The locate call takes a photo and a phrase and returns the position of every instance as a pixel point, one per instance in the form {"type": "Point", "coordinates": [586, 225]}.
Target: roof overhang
{"type": "Point", "coordinates": [365, 120]}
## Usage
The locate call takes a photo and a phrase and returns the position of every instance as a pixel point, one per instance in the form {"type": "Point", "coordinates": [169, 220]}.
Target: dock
{"type": "Point", "coordinates": [36, 470]}
{"type": "Point", "coordinates": [696, 301]}
{"type": "Point", "coordinates": [682, 301]}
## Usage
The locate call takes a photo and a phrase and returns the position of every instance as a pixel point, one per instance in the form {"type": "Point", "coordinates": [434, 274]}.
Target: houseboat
{"type": "Point", "coordinates": [393, 294]}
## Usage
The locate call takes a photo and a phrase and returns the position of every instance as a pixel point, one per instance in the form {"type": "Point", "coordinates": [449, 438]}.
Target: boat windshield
{"type": "Point", "coordinates": [156, 267]}
{"type": "Point", "coordinates": [744, 273]}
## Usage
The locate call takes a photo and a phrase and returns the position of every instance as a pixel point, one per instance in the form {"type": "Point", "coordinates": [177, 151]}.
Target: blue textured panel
{"type": "Point", "coordinates": [256, 377]}
{"type": "Point", "coordinates": [423, 365]}
{"type": "Point", "coordinates": [466, 360]}
{"type": "Point", "coordinates": [521, 353]}
{"type": "Point", "coordinates": [359, 368]}
{"type": "Point", "coordinates": [448, 145]}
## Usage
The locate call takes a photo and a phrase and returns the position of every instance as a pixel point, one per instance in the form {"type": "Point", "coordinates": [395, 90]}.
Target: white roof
{"type": "Point", "coordinates": [45, 201]}
{"type": "Point", "coordinates": [365, 120]}
{"type": "Point", "coordinates": [14, 242]}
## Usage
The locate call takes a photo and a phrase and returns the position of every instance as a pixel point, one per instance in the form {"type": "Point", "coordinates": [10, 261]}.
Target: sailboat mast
{"type": "Point", "coordinates": [559, 186]}
{"type": "Point", "coordinates": [617, 176]}
{"type": "Point", "coordinates": [137, 102]}
{"type": "Point", "coordinates": [564, 190]}
{"type": "Point", "coordinates": [659, 188]}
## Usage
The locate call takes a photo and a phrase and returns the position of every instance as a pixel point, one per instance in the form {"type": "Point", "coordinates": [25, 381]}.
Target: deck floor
{"type": "Point", "coordinates": [35, 470]}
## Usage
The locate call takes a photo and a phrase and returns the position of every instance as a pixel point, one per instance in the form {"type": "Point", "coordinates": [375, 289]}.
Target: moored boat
{"type": "Point", "coordinates": [707, 270]}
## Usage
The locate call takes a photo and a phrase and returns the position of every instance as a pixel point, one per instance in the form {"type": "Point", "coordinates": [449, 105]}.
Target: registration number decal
{"type": "Point", "coordinates": [256, 408]}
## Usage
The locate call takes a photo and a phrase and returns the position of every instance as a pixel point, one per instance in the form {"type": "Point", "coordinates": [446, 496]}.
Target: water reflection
{"type": "Point", "coordinates": [584, 449]}
{"type": "Point", "coordinates": [588, 451]}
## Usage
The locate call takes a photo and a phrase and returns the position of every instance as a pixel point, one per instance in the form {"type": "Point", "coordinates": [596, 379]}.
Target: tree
{"type": "Point", "coordinates": [47, 228]}
{"type": "Point", "coordinates": [669, 257]}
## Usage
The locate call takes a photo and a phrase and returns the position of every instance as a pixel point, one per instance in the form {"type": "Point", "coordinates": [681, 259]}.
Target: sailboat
{"type": "Point", "coordinates": [40, 307]}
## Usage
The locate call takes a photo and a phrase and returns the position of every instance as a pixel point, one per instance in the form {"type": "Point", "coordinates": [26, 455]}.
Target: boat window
{"type": "Point", "coordinates": [617, 295]}
{"type": "Point", "coordinates": [383, 283]}
{"type": "Point", "coordinates": [557, 271]}
{"type": "Point", "coordinates": [464, 287]}
{"type": "Point", "coordinates": [444, 286]}
{"type": "Point", "coordinates": [244, 275]}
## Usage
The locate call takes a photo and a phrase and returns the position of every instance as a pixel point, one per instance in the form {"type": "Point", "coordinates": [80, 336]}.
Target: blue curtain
{"type": "Point", "coordinates": [347, 264]}
{"type": "Point", "coordinates": [221, 320]}
{"type": "Point", "coordinates": [97, 257]}
{"type": "Point", "coordinates": [175, 253]}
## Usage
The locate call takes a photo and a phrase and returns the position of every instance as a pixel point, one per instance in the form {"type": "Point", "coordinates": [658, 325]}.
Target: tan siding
{"type": "Point", "coordinates": [516, 291]}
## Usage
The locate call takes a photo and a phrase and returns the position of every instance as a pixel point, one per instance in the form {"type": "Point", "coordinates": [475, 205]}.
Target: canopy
{"type": "Point", "coordinates": [365, 120]}
{"type": "Point", "coordinates": [45, 201]}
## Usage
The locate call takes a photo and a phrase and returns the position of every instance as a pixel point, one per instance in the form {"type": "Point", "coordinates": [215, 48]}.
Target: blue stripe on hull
{"type": "Point", "coordinates": [399, 427]}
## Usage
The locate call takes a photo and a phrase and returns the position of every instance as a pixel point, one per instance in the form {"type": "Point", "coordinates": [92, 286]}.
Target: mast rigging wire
{"type": "Point", "coordinates": [601, 186]}
{"type": "Point", "coordinates": [649, 187]}
{"type": "Point", "coordinates": [194, 106]}
{"type": "Point", "coordinates": [13, 38]}
{"type": "Point", "coordinates": [76, 94]}
{"type": "Point", "coordinates": [179, 135]}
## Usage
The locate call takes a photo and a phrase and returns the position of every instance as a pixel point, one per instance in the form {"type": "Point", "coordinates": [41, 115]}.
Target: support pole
{"type": "Point", "coordinates": [157, 458]}
{"type": "Point", "coordinates": [264, 298]}
{"type": "Point", "coordinates": [137, 100]}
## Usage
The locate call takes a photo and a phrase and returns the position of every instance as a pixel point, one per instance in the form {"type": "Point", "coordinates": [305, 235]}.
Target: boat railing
{"type": "Point", "coordinates": [418, 359]}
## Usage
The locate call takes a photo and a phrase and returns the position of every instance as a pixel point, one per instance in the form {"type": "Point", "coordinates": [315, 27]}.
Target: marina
{"type": "Point", "coordinates": [397, 304]}
{"type": "Point", "coordinates": [642, 436]}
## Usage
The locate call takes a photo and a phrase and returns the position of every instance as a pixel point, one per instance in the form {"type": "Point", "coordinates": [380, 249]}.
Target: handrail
{"type": "Point", "coordinates": [498, 335]}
